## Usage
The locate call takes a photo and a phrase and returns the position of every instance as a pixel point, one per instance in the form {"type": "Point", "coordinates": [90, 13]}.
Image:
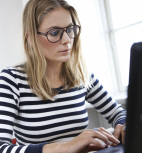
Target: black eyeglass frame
{"type": "Point", "coordinates": [64, 29]}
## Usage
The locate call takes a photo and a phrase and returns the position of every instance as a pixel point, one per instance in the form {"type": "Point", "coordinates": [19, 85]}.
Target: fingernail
{"type": "Point", "coordinates": [103, 146]}
{"type": "Point", "coordinates": [118, 141]}
{"type": "Point", "coordinates": [109, 143]}
{"type": "Point", "coordinates": [114, 144]}
{"type": "Point", "coordinates": [107, 146]}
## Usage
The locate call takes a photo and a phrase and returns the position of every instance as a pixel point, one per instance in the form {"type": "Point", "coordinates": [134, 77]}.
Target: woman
{"type": "Point", "coordinates": [43, 100]}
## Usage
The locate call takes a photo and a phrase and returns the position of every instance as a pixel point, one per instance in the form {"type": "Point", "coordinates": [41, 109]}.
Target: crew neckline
{"type": "Point", "coordinates": [59, 88]}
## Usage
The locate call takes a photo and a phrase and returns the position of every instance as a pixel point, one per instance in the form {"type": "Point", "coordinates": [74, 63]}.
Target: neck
{"type": "Point", "coordinates": [54, 70]}
{"type": "Point", "coordinates": [54, 74]}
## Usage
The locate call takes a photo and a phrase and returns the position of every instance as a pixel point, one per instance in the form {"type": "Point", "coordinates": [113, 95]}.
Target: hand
{"type": "Point", "coordinates": [86, 141]}
{"type": "Point", "coordinates": [119, 132]}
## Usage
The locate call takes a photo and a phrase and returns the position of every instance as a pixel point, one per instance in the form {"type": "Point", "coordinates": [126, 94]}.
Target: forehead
{"type": "Point", "coordinates": [59, 17]}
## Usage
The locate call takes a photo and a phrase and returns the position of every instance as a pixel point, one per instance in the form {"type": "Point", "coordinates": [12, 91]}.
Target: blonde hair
{"type": "Point", "coordinates": [73, 72]}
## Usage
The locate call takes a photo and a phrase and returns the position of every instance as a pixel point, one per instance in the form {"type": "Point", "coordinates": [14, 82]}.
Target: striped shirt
{"type": "Point", "coordinates": [36, 122]}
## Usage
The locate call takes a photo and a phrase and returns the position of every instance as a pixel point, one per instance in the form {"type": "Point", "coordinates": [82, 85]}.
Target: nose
{"type": "Point", "coordinates": [65, 38]}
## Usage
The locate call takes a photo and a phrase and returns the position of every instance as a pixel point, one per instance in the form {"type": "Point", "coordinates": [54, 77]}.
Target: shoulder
{"type": "Point", "coordinates": [93, 82]}
{"type": "Point", "coordinates": [92, 79]}
{"type": "Point", "coordinates": [12, 73]}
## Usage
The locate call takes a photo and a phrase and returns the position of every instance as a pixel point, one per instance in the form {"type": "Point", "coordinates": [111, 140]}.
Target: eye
{"type": "Point", "coordinates": [54, 32]}
{"type": "Point", "coordinates": [70, 29]}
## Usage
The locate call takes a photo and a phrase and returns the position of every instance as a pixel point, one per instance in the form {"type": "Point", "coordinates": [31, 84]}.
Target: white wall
{"type": "Point", "coordinates": [11, 49]}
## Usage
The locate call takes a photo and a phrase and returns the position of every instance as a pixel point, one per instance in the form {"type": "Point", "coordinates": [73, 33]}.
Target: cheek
{"type": "Point", "coordinates": [46, 47]}
{"type": "Point", "coordinates": [72, 43]}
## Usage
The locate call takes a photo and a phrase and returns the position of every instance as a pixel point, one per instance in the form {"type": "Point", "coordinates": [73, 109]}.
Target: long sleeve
{"type": "Point", "coordinates": [104, 104]}
{"type": "Point", "coordinates": [9, 106]}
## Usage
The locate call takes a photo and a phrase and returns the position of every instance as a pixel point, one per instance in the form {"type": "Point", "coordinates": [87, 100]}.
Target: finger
{"type": "Point", "coordinates": [123, 133]}
{"type": "Point", "coordinates": [93, 147]}
{"type": "Point", "coordinates": [111, 138]}
{"type": "Point", "coordinates": [117, 131]}
{"type": "Point", "coordinates": [97, 143]}
{"type": "Point", "coordinates": [100, 136]}
{"type": "Point", "coordinates": [103, 129]}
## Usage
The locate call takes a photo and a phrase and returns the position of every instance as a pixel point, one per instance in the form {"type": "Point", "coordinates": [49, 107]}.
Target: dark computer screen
{"type": "Point", "coordinates": [133, 137]}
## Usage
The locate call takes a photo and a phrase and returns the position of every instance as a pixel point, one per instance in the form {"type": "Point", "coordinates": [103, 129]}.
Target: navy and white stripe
{"type": "Point", "coordinates": [36, 122]}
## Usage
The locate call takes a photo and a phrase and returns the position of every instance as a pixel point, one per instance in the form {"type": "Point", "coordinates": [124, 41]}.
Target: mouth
{"type": "Point", "coordinates": [65, 51]}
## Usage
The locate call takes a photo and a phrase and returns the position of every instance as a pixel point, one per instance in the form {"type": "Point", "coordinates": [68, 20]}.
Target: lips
{"type": "Point", "coordinates": [66, 50]}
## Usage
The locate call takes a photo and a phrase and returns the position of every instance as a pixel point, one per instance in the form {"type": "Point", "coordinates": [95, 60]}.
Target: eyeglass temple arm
{"type": "Point", "coordinates": [44, 34]}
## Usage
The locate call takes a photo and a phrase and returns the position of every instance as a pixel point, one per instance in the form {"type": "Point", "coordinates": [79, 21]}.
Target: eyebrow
{"type": "Point", "coordinates": [54, 27]}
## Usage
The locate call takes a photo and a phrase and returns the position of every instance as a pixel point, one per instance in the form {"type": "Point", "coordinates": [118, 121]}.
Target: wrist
{"type": "Point", "coordinates": [55, 148]}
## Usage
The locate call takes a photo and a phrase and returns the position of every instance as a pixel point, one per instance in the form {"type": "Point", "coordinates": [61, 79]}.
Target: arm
{"type": "Point", "coordinates": [9, 103]}
{"type": "Point", "coordinates": [104, 104]}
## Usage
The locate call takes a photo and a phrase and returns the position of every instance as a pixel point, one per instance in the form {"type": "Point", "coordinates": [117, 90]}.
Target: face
{"type": "Point", "coordinates": [61, 50]}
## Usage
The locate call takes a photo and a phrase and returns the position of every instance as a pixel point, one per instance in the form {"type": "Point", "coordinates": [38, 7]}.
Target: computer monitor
{"type": "Point", "coordinates": [133, 137]}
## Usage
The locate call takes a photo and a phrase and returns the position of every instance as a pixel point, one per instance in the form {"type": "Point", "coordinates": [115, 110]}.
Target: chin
{"type": "Point", "coordinates": [65, 59]}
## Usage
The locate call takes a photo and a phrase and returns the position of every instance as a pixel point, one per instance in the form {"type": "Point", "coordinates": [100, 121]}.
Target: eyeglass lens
{"type": "Point", "coordinates": [55, 34]}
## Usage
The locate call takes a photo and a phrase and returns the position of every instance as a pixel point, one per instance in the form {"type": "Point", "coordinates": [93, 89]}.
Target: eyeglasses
{"type": "Point", "coordinates": [54, 35]}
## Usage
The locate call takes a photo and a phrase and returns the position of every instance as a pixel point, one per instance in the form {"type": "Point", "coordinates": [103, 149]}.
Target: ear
{"type": "Point", "coordinates": [28, 39]}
